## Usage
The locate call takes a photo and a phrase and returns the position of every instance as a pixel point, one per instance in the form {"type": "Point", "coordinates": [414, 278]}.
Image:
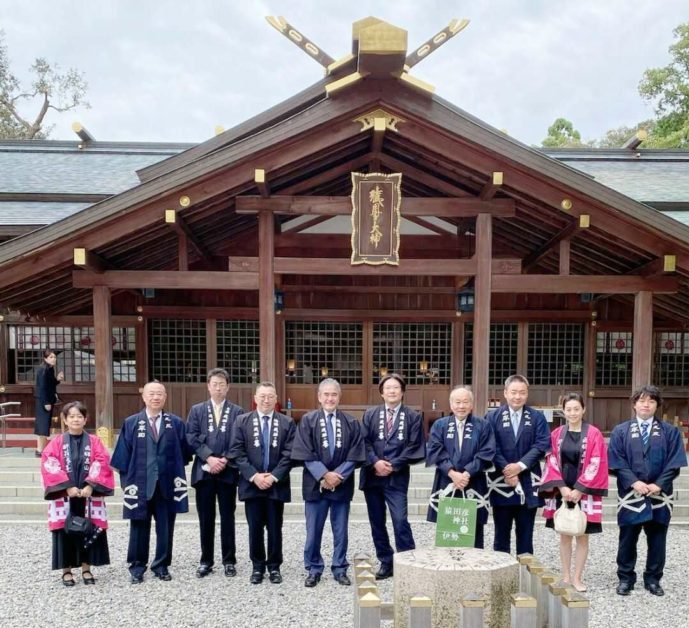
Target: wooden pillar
{"type": "Point", "coordinates": [266, 294]}
{"type": "Point", "coordinates": [103, 349]}
{"type": "Point", "coordinates": [482, 289]}
{"type": "Point", "coordinates": [642, 359]}
{"type": "Point", "coordinates": [141, 351]}
{"type": "Point", "coordinates": [183, 252]}
{"type": "Point", "coordinates": [564, 256]}
{"type": "Point", "coordinates": [4, 354]}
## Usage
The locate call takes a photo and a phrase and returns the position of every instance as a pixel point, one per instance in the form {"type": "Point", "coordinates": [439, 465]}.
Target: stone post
{"type": "Point", "coordinates": [368, 615]}
{"type": "Point", "coordinates": [535, 570]}
{"type": "Point", "coordinates": [524, 578]}
{"type": "Point", "coordinates": [546, 578]}
{"type": "Point", "coordinates": [575, 610]}
{"type": "Point", "coordinates": [472, 611]}
{"type": "Point", "coordinates": [420, 608]}
{"type": "Point", "coordinates": [523, 611]}
{"type": "Point", "coordinates": [555, 592]}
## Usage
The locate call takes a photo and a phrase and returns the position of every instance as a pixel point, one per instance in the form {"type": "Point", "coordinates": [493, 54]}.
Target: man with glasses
{"type": "Point", "coordinates": [329, 443]}
{"type": "Point", "coordinates": [209, 433]}
{"type": "Point", "coordinates": [261, 448]}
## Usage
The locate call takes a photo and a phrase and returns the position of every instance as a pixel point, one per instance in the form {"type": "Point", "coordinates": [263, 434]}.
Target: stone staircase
{"type": "Point", "coordinates": [21, 494]}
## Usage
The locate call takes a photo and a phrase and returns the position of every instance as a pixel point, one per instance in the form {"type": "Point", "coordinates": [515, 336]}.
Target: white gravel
{"type": "Point", "coordinates": [32, 595]}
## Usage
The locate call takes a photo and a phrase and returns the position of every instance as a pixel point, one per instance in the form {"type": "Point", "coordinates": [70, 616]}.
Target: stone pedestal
{"type": "Point", "coordinates": [447, 575]}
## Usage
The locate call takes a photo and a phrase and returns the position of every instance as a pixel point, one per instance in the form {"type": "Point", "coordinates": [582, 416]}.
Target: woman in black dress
{"type": "Point", "coordinates": [45, 392]}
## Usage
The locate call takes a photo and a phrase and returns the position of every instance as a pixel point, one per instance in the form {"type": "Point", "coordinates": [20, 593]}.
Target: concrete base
{"type": "Point", "coordinates": [447, 575]}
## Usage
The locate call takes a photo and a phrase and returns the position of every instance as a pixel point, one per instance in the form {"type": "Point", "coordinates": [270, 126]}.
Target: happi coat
{"type": "Point", "coordinates": [592, 479]}
{"type": "Point", "coordinates": [58, 474]}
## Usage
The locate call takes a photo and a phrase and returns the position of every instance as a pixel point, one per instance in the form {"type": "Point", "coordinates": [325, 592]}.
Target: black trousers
{"type": "Point", "coordinates": [265, 514]}
{"type": "Point", "coordinates": [396, 501]}
{"type": "Point", "coordinates": [207, 492]}
{"type": "Point", "coordinates": [656, 536]}
{"type": "Point", "coordinates": [140, 536]}
{"type": "Point", "coordinates": [523, 519]}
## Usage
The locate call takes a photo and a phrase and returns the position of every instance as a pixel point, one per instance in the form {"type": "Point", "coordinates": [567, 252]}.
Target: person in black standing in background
{"type": "Point", "coordinates": [45, 392]}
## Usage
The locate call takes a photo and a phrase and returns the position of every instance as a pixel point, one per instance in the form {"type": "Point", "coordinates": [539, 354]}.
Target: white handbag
{"type": "Point", "coordinates": [570, 521]}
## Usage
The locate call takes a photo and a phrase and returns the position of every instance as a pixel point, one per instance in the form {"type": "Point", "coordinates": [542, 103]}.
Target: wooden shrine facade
{"type": "Point", "coordinates": [246, 234]}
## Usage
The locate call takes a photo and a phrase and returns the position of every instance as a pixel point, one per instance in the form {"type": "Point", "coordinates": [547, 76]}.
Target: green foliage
{"type": "Point", "coordinates": [49, 89]}
{"type": "Point", "coordinates": [668, 87]}
{"type": "Point", "coordinates": [615, 138]}
{"type": "Point", "coordinates": [562, 134]}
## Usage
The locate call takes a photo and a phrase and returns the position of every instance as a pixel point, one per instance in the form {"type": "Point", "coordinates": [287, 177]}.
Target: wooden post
{"type": "Point", "coordinates": [642, 359]}
{"type": "Point", "coordinates": [482, 293]}
{"type": "Point", "coordinates": [266, 294]}
{"type": "Point", "coordinates": [524, 577]}
{"type": "Point", "coordinates": [368, 612]}
{"type": "Point", "coordinates": [575, 610]}
{"type": "Point", "coordinates": [3, 351]}
{"type": "Point", "coordinates": [522, 611]}
{"type": "Point", "coordinates": [564, 256]}
{"type": "Point", "coordinates": [473, 607]}
{"type": "Point", "coordinates": [420, 612]}
{"type": "Point", "coordinates": [555, 592]}
{"type": "Point", "coordinates": [103, 356]}
{"type": "Point", "coordinates": [546, 578]}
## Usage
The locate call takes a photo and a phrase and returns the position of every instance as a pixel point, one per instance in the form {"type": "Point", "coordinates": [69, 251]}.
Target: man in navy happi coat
{"type": "Point", "coordinates": [261, 448]}
{"type": "Point", "coordinates": [645, 454]}
{"type": "Point", "coordinates": [462, 446]}
{"type": "Point", "coordinates": [210, 426]}
{"type": "Point", "coordinates": [150, 455]}
{"type": "Point", "coordinates": [393, 435]}
{"type": "Point", "coordinates": [329, 444]}
{"type": "Point", "coordinates": [522, 439]}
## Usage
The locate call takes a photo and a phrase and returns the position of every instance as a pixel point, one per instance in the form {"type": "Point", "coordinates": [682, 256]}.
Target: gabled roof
{"type": "Point", "coordinates": [310, 147]}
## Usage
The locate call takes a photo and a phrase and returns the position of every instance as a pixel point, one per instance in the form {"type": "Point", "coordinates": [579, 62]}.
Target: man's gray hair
{"type": "Point", "coordinates": [329, 381]}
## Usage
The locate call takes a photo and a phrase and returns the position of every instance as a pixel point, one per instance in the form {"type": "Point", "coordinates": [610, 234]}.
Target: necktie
{"type": "Point", "coordinates": [331, 434]}
{"type": "Point", "coordinates": [266, 442]}
{"type": "Point", "coordinates": [389, 422]}
{"type": "Point", "coordinates": [154, 429]}
{"type": "Point", "coordinates": [515, 422]}
{"type": "Point", "coordinates": [216, 414]}
{"type": "Point", "coordinates": [644, 433]}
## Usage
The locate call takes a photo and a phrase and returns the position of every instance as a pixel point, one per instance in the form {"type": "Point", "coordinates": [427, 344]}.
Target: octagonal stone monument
{"type": "Point", "coordinates": [447, 575]}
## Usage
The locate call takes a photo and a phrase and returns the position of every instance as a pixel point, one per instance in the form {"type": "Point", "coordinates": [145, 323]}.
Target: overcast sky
{"type": "Point", "coordinates": [171, 70]}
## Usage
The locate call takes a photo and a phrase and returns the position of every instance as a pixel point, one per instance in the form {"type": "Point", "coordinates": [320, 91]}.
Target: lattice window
{"type": "Point", "coordinates": [322, 349]}
{"type": "Point", "coordinates": [421, 352]}
{"type": "Point", "coordinates": [239, 351]}
{"type": "Point", "coordinates": [556, 354]}
{"type": "Point", "coordinates": [177, 350]}
{"type": "Point", "coordinates": [504, 340]}
{"type": "Point", "coordinates": [671, 358]}
{"type": "Point", "coordinates": [614, 358]}
{"type": "Point", "coordinates": [75, 350]}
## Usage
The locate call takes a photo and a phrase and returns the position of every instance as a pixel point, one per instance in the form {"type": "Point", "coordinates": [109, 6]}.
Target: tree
{"type": "Point", "coordinates": [49, 89]}
{"type": "Point", "coordinates": [669, 88]}
{"type": "Point", "coordinates": [562, 134]}
{"type": "Point", "coordinates": [615, 138]}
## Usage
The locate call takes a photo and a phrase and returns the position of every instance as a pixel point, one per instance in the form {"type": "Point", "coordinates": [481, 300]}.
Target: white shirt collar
{"type": "Point", "coordinates": [269, 415]}
{"type": "Point", "coordinates": [641, 421]}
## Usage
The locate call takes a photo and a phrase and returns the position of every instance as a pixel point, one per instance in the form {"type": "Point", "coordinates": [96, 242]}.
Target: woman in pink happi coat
{"type": "Point", "coordinates": [76, 475]}
{"type": "Point", "coordinates": [576, 471]}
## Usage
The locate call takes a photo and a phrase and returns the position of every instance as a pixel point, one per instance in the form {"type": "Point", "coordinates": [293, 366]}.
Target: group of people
{"type": "Point", "coordinates": [495, 460]}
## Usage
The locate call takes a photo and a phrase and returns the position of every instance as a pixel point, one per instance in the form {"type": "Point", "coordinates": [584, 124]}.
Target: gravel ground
{"type": "Point", "coordinates": [32, 595]}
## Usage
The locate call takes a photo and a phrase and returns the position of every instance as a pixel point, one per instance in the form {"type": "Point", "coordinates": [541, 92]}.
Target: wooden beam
{"type": "Point", "coordinates": [378, 136]}
{"type": "Point", "coordinates": [431, 45]}
{"type": "Point", "coordinates": [429, 225]}
{"type": "Point", "coordinates": [88, 260]}
{"type": "Point", "coordinates": [642, 347]}
{"type": "Point", "coordinates": [316, 220]}
{"type": "Point", "coordinates": [342, 206]}
{"type": "Point", "coordinates": [266, 295]}
{"type": "Point", "coordinates": [426, 178]}
{"type": "Point", "coordinates": [182, 252]}
{"type": "Point", "coordinates": [572, 284]}
{"type": "Point", "coordinates": [491, 187]}
{"type": "Point", "coordinates": [103, 357]}
{"type": "Point", "coordinates": [537, 255]}
{"type": "Point", "coordinates": [342, 266]}
{"type": "Point", "coordinates": [261, 183]}
{"type": "Point", "coordinates": [167, 280]}
{"type": "Point", "coordinates": [564, 261]}
{"type": "Point", "coordinates": [482, 300]}
{"type": "Point", "coordinates": [179, 226]}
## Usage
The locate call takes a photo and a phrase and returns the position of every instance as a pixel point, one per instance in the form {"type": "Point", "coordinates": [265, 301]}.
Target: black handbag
{"type": "Point", "coordinates": [80, 526]}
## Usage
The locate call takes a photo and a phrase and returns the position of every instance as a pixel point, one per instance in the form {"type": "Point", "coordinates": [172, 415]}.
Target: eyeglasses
{"type": "Point", "coordinates": [266, 397]}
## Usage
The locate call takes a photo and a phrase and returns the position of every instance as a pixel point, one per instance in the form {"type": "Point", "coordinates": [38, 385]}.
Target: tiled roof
{"type": "Point", "coordinates": [29, 213]}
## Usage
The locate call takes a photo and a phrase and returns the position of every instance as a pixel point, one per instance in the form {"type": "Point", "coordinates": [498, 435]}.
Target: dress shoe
{"type": "Point", "coordinates": [203, 570]}
{"type": "Point", "coordinates": [163, 575]}
{"type": "Point", "coordinates": [68, 579]}
{"type": "Point", "coordinates": [343, 579]}
{"type": "Point", "coordinates": [384, 572]}
{"type": "Point", "coordinates": [230, 571]}
{"type": "Point", "coordinates": [256, 577]}
{"type": "Point", "coordinates": [312, 580]}
{"type": "Point", "coordinates": [38, 454]}
{"type": "Point", "coordinates": [624, 588]}
{"type": "Point", "coordinates": [275, 577]}
{"type": "Point", "coordinates": [87, 577]}
{"type": "Point", "coordinates": [136, 579]}
{"type": "Point", "coordinates": [654, 589]}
